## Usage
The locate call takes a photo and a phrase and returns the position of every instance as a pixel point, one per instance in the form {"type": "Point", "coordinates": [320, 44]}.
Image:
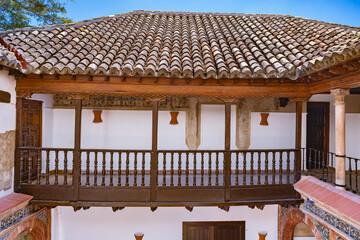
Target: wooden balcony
{"type": "Point", "coordinates": [120, 178]}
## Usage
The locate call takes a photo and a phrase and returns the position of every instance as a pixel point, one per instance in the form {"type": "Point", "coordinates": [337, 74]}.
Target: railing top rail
{"type": "Point", "coordinates": [313, 149]}
{"type": "Point", "coordinates": [46, 148]}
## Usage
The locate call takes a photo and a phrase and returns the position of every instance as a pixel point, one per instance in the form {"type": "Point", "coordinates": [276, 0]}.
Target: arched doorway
{"type": "Point", "coordinates": [25, 236]}
{"type": "Point", "coordinates": [303, 232]}
{"type": "Point", "coordinates": [291, 219]}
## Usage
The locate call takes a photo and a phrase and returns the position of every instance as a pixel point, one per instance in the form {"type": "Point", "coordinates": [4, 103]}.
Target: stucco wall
{"type": "Point", "coordinates": [163, 224]}
{"type": "Point", "coordinates": [7, 134]}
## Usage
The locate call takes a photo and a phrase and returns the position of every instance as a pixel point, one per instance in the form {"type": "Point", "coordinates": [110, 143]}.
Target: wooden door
{"type": "Point", "coordinates": [29, 130]}
{"type": "Point", "coordinates": [214, 230]}
{"type": "Point", "coordinates": [317, 132]}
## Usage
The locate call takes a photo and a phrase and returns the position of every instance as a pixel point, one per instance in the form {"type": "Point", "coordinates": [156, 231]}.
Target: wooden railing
{"type": "Point", "coordinates": [321, 164]}
{"type": "Point", "coordinates": [178, 175]}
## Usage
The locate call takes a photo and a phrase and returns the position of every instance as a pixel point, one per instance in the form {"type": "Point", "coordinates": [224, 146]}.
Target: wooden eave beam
{"type": "Point", "coordinates": [350, 80]}
{"type": "Point", "coordinates": [162, 87]}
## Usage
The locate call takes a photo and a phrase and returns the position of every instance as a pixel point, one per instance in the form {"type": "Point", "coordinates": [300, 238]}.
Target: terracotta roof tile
{"type": "Point", "coordinates": [181, 44]}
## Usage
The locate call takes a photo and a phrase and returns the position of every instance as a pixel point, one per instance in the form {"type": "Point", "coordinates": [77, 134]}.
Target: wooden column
{"type": "Point", "coordinates": [77, 147]}
{"type": "Point", "coordinates": [18, 143]}
{"type": "Point", "coordinates": [299, 110]}
{"type": "Point", "coordinates": [340, 135]}
{"type": "Point", "coordinates": [227, 156]}
{"type": "Point", "coordinates": [154, 153]}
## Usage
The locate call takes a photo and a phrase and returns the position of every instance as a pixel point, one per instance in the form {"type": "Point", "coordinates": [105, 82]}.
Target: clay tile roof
{"type": "Point", "coordinates": [10, 58]}
{"type": "Point", "coordinates": [187, 45]}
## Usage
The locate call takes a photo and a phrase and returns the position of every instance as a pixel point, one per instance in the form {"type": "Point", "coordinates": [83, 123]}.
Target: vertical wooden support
{"type": "Point", "coordinates": [77, 146]}
{"type": "Point", "coordinates": [227, 160]}
{"type": "Point", "coordinates": [299, 110]}
{"type": "Point", "coordinates": [340, 135]}
{"type": "Point", "coordinates": [18, 143]}
{"type": "Point", "coordinates": [154, 153]}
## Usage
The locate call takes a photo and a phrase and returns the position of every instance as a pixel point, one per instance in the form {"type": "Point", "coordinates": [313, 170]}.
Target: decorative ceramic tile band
{"type": "Point", "coordinates": [43, 216]}
{"type": "Point", "coordinates": [15, 217]}
{"type": "Point", "coordinates": [324, 231]}
{"type": "Point", "coordinates": [332, 220]}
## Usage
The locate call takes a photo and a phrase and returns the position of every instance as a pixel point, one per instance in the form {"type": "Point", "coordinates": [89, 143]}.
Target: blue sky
{"type": "Point", "coordinates": [338, 11]}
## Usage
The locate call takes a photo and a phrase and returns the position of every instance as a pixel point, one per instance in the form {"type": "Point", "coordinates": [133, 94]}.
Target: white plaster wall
{"type": "Point", "coordinates": [7, 111]}
{"type": "Point", "coordinates": [163, 224]}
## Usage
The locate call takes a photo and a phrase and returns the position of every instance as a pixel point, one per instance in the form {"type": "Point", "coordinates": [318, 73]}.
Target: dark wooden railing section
{"type": "Point", "coordinates": [321, 164]}
{"type": "Point", "coordinates": [181, 176]}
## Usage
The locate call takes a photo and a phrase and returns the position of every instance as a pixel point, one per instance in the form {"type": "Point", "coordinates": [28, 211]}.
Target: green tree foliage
{"type": "Point", "coordinates": [26, 13]}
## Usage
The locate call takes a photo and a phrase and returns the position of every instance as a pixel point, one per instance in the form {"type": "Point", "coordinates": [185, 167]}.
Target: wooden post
{"type": "Point", "coordinates": [18, 143]}
{"type": "Point", "coordinates": [227, 158]}
{"type": "Point", "coordinates": [299, 110]}
{"type": "Point", "coordinates": [77, 146]}
{"type": "Point", "coordinates": [154, 153]}
{"type": "Point", "coordinates": [340, 135]}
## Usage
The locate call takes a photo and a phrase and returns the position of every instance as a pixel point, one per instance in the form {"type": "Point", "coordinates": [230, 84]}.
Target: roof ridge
{"type": "Point", "coordinates": [92, 20]}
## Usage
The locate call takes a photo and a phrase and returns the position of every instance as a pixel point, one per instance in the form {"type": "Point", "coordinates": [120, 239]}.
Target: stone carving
{"type": "Point", "coordinates": [332, 220]}
{"type": "Point", "coordinates": [63, 101]}
{"type": "Point", "coordinates": [7, 148]}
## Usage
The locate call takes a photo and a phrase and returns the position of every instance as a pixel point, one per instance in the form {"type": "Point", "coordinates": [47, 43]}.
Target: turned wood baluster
{"type": "Point", "coordinates": [119, 170]}
{"type": "Point", "coordinates": [217, 169]}
{"type": "Point", "coordinates": [259, 168]}
{"type": "Point", "coordinates": [22, 164]}
{"type": "Point", "coordinates": [237, 169]}
{"type": "Point", "coordinates": [95, 168]}
{"type": "Point", "coordinates": [164, 169]}
{"type": "Point", "coordinates": [56, 167]}
{"type": "Point", "coordinates": [111, 168]}
{"type": "Point", "coordinates": [29, 167]}
{"type": "Point", "coordinates": [87, 168]}
{"type": "Point", "coordinates": [187, 169]}
{"type": "Point", "coordinates": [143, 169]}
{"type": "Point", "coordinates": [202, 168]}
{"type": "Point", "coordinates": [273, 166]}
{"type": "Point", "coordinates": [127, 169]}
{"type": "Point", "coordinates": [266, 167]}
{"type": "Point", "coordinates": [65, 167]}
{"type": "Point", "coordinates": [288, 167]}
{"type": "Point", "coordinates": [244, 168]}
{"type": "Point", "coordinates": [135, 168]}
{"type": "Point", "coordinates": [350, 172]}
{"type": "Point", "coordinates": [356, 176]}
{"type": "Point", "coordinates": [194, 175]}
{"type": "Point", "coordinates": [38, 175]}
{"type": "Point", "coordinates": [179, 168]}
{"type": "Point", "coordinates": [281, 167]}
{"type": "Point", "coordinates": [210, 155]}
{"type": "Point", "coordinates": [47, 174]}
{"type": "Point", "coordinates": [252, 169]}
{"type": "Point", "coordinates": [172, 170]}
{"type": "Point", "coordinates": [103, 169]}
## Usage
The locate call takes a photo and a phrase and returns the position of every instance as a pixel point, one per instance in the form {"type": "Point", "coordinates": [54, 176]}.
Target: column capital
{"type": "Point", "coordinates": [340, 94]}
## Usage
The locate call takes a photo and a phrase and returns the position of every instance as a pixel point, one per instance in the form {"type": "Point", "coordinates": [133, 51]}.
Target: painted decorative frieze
{"type": "Point", "coordinates": [63, 101]}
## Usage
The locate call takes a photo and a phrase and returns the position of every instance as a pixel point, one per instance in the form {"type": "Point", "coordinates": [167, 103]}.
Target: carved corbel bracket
{"type": "Point", "coordinates": [155, 99]}
{"type": "Point", "coordinates": [24, 93]}
{"type": "Point", "coordinates": [229, 99]}
{"type": "Point", "coordinates": [77, 96]}
{"type": "Point", "coordinates": [153, 209]}
{"type": "Point", "coordinates": [299, 99]}
{"type": "Point", "coordinates": [189, 208]}
{"type": "Point", "coordinates": [225, 208]}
